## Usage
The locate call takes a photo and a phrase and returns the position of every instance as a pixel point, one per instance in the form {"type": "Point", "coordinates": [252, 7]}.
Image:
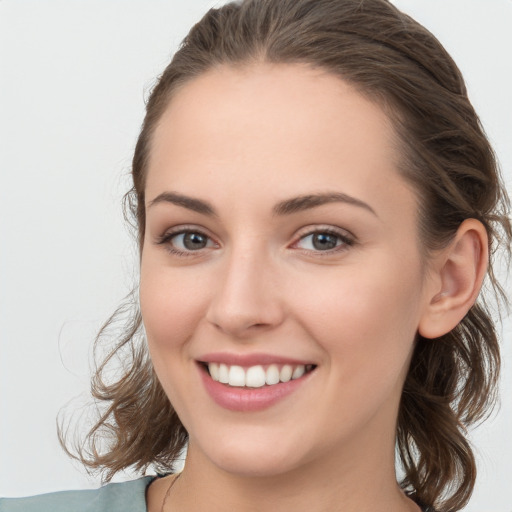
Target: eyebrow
{"type": "Point", "coordinates": [286, 207]}
{"type": "Point", "coordinates": [306, 202]}
{"type": "Point", "coordinates": [196, 205]}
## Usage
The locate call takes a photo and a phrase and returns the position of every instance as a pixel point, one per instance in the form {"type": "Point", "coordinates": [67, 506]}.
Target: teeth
{"type": "Point", "coordinates": [286, 373]}
{"type": "Point", "coordinates": [223, 374]}
{"type": "Point", "coordinates": [256, 376]}
{"type": "Point", "coordinates": [272, 375]}
{"type": "Point", "coordinates": [214, 371]}
{"type": "Point", "coordinates": [298, 372]}
{"type": "Point", "coordinates": [236, 376]}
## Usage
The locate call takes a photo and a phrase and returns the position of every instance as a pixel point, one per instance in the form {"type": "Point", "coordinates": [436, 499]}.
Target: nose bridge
{"type": "Point", "coordinates": [247, 294]}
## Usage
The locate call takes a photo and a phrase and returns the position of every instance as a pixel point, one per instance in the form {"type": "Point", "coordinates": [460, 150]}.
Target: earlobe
{"type": "Point", "coordinates": [460, 270]}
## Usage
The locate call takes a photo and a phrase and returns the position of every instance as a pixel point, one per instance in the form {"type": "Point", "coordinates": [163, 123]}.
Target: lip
{"type": "Point", "coordinates": [246, 360]}
{"type": "Point", "coordinates": [249, 399]}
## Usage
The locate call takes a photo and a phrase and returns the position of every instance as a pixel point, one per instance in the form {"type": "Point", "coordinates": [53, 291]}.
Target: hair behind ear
{"type": "Point", "coordinates": [453, 375]}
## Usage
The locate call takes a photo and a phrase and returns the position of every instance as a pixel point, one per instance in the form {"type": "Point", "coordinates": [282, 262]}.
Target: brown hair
{"type": "Point", "coordinates": [397, 63]}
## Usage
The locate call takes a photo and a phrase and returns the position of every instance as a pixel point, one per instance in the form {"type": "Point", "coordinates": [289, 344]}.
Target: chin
{"type": "Point", "coordinates": [255, 465]}
{"type": "Point", "coordinates": [255, 458]}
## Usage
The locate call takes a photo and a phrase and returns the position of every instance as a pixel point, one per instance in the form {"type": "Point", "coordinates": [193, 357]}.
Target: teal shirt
{"type": "Point", "coordinates": [118, 497]}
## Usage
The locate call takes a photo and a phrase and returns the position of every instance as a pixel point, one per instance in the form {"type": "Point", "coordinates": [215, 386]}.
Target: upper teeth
{"type": "Point", "coordinates": [255, 376]}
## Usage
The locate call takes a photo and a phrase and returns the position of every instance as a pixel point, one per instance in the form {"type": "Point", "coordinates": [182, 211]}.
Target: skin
{"type": "Point", "coordinates": [244, 140]}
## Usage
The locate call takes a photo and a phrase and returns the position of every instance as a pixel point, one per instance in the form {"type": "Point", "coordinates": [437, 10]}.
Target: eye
{"type": "Point", "coordinates": [186, 241]}
{"type": "Point", "coordinates": [324, 241]}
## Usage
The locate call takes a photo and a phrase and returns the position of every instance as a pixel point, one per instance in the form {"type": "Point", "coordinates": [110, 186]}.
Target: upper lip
{"type": "Point", "coordinates": [254, 359]}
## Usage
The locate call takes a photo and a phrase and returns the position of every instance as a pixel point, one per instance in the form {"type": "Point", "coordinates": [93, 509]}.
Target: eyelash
{"type": "Point", "coordinates": [346, 241]}
{"type": "Point", "coordinates": [167, 237]}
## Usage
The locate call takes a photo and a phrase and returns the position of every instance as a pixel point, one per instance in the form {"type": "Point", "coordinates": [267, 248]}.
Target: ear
{"type": "Point", "coordinates": [458, 273]}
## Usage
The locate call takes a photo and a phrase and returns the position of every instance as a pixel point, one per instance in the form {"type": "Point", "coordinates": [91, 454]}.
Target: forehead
{"type": "Point", "coordinates": [290, 128]}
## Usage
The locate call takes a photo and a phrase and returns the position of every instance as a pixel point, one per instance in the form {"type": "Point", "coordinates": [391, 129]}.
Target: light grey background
{"type": "Point", "coordinates": [73, 76]}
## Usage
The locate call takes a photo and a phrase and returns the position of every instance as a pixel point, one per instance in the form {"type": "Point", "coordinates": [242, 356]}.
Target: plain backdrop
{"type": "Point", "coordinates": [73, 78]}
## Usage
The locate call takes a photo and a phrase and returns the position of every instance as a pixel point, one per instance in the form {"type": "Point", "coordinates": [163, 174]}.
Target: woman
{"type": "Point", "coordinates": [316, 204]}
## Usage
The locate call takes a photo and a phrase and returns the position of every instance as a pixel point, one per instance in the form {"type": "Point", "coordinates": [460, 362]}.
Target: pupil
{"type": "Point", "coordinates": [324, 241]}
{"type": "Point", "coordinates": [194, 241]}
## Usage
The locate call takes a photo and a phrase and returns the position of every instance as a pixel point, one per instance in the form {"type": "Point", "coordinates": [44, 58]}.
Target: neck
{"type": "Point", "coordinates": [356, 484]}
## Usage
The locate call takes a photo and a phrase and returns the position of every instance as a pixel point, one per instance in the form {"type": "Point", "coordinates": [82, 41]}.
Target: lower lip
{"type": "Point", "coordinates": [248, 399]}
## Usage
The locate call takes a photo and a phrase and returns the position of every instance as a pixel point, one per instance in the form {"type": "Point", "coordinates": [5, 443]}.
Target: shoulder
{"type": "Point", "coordinates": [117, 497]}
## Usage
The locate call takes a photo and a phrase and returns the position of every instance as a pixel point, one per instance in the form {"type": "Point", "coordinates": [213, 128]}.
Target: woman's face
{"type": "Point", "coordinates": [280, 238]}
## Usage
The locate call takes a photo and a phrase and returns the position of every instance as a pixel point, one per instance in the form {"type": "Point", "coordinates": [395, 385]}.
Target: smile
{"type": "Point", "coordinates": [253, 382]}
{"type": "Point", "coordinates": [256, 376]}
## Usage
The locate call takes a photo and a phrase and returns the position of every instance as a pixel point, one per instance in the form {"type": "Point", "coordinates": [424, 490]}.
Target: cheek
{"type": "Point", "coordinates": [171, 308]}
{"type": "Point", "coordinates": [172, 303]}
{"type": "Point", "coordinates": [364, 317]}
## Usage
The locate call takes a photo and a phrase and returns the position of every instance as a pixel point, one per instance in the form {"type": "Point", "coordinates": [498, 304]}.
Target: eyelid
{"type": "Point", "coordinates": [346, 237]}
{"type": "Point", "coordinates": [169, 234]}
{"type": "Point", "coordinates": [325, 228]}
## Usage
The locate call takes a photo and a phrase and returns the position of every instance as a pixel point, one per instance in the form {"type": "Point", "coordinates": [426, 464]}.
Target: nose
{"type": "Point", "coordinates": [247, 298]}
